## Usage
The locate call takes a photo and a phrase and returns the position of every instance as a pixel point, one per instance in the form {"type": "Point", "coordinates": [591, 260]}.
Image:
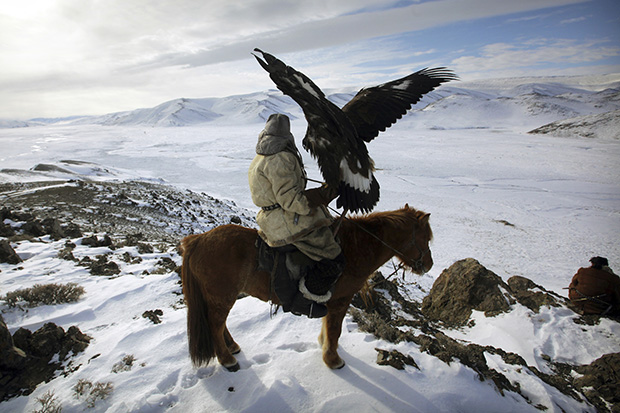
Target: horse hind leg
{"type": "Point", "coordinates": [230, 342]}
{"type": "Point", "coordinates": [223, 343]}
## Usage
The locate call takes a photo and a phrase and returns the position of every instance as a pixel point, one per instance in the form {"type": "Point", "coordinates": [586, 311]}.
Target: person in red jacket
{"type": "Point", "coordinates": [596, 289]}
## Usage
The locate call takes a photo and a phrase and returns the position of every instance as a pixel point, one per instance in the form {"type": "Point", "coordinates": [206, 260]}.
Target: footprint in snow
{"type": "Point", "coordinates": [298, 347]}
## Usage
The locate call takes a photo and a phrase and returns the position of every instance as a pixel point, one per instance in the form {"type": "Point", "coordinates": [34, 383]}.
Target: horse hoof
{"type": "Point", "coordinates": [337, 366]}
{"type": "Point", "coordinates": [233, 368]}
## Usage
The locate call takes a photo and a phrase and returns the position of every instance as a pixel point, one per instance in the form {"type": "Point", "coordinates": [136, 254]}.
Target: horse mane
{"type": "Point", "coordinates": [396, 219]}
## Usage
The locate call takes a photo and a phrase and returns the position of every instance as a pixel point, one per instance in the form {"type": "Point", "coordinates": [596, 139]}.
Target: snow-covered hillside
{"type": "Point", "coordinates": [603, 125]}
{"type": "Point", "coordinates": [518, 103]}
{"type": "Point", "coordinates": [521, 204]}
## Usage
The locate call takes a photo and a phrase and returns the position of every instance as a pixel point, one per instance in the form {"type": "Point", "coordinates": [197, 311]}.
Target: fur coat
{"type": "Point", "coordinates": [593, 290]}
{"type": "Point", "coordinates": [277, 181]}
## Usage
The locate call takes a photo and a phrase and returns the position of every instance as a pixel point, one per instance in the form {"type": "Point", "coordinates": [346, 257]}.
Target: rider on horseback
{"type": "Point", "coordinates": [293, 215]}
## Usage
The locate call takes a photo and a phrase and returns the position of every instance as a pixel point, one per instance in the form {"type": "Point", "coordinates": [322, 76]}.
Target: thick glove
{"type": "Point", "coordinates": [322, 195]}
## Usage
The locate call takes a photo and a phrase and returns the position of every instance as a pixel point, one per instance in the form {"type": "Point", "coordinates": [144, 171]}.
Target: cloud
{"type": "Point", "coordinates": [335, 29]}
{"type": "Point", "coordinates": [532, 54]}
{"type": "Point", "coordinates": [575, 20]}
{"type": "Point", "coordinates": [126, 54]}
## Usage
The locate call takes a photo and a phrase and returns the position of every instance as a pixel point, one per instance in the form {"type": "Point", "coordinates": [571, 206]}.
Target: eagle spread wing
{"type": "Point", "coordinates": [335, 137]}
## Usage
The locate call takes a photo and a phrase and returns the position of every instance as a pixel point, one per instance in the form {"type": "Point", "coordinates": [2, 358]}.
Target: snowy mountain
{"type": "Point", "coordinates": [251, 108]}
{"type": "Point", "coordinates": [466, 105]}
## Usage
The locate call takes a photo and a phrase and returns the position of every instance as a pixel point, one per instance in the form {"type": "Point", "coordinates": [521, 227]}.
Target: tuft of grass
{"type": "Point", "coordinates": [124, 365]}
{"type": "Point", "coordinates": [93, 392]}
{"type": "Point", "coordinates": [44, 294]}
{"type": "Point", "coordinates": [99, 391]}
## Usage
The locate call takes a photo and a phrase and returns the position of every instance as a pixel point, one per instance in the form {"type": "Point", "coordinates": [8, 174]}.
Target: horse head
{"type": "Point", "coordinates": [415, 252]}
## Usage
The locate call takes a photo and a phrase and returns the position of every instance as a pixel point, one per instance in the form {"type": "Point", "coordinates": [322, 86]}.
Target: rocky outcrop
{"type": "Point", "coordinates": [467, 285]}
{"type": "Point", "coordinates": [27, 358]}
{"type": "Point", "coordinates": [532, 295]}
{"type": "Point", "coordinates": [598, 382]}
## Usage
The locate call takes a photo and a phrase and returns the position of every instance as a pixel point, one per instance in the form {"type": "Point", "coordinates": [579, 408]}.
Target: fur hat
{"type": "Point", "coordinates": [599, 262]}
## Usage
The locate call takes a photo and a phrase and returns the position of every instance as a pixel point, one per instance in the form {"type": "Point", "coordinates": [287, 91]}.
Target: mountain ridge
{"type": "Point", "coordinates": [460, 105]}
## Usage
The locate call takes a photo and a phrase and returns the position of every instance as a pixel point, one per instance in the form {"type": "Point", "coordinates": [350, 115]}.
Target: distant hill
{"type": "Point", "coordinates": [603, 126]}
{"type": "Point", "coordinates": [516, 103]}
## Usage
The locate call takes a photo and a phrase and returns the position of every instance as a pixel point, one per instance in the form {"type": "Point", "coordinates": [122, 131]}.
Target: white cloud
{"type": "Point", "coordinates": [532, 54]}
{"type": "Point", "coordinates": [575, 20]}
{"type": "Point", "coordinates": [118, 53]}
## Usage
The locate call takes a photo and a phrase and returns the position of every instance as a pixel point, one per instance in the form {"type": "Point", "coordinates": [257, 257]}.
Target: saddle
{"type": "Point", "coordinates": [292, 271]}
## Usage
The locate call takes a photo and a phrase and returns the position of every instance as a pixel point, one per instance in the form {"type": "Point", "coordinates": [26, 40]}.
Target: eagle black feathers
{"type": "Point", "coordinates": [336, 137]}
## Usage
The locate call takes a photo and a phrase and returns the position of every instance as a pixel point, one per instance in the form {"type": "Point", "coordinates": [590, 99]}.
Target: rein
{"type": "Point", "coordinates": [417, 262]}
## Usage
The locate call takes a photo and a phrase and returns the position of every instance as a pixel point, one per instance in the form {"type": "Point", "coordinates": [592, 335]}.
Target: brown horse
{"type": "Point", "coordinates": [220, 264]}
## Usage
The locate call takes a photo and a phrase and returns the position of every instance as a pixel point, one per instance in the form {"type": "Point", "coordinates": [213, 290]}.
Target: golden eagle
{"type": "Point", "coordinates": [336, 137]}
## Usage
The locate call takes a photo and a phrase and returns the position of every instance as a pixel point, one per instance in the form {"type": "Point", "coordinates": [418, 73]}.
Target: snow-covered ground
{"type": "Point", "coordinates": [466, 159]}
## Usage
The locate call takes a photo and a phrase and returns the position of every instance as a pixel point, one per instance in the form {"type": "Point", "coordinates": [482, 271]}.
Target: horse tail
{"type": "Point", "coordinates": [199, 335]}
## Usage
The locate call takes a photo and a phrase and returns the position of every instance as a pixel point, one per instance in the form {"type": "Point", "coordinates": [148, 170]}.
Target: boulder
{"type": "Point", "coordinates": [28, 358]}
{"type": "Point", "coordinates": [53, 229]}
{"type": "Point", "coordinates": [11, 357]}
{"type": "Point", "coordinates": [465, 286]}
{"type": "Point", "coordinates": [532, 295]}
{"type": "Point", "coordinates": [8, 254]}
{"type": "Point", "coordinates": [33, 228]}
{"type": "Point", "coordinates": [600, 382]}
{"type": "Point", "coordinates": [6, 230]}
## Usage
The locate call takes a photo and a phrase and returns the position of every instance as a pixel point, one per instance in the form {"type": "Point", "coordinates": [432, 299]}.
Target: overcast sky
{"type": "Point", "coordinates": [90, 57]}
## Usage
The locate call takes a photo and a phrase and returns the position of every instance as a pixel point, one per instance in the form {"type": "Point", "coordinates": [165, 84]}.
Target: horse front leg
{"type": "Point", "coordinates": [330, 333]}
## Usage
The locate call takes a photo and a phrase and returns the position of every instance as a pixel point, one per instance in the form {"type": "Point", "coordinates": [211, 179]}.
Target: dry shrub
{"type": "Point", "coordinates": [49, 403]}
{"type": "Point", "coordinates": [124, 365]}
{"type": "Point", "coordinates": [93, 392]}
{"type": "Point", "coordinates": [45, 294]}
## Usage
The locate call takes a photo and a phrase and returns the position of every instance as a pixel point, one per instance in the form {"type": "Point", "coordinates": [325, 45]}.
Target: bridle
{"type": "Point", "coordinates": [418, 263]}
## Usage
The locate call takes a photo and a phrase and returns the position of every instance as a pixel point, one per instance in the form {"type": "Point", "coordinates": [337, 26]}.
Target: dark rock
{"type": "Point", "coordinates": [95, 242]}
{"type": "Point", "coordinates": [601, 382]}
{"type": "Point", "coordinates": [33, 228]}
{"type": "Point", "coordinates": [21, 338]}
{"type": "Point", "coordinates": [144, 248]}
{"type": "Point", "coordinates": [46, 341]}
{"type": "Point", "coordinates": [19, 216]}
{"type": "Point", "coordinates": [74, 341]}
{"type": "Point", "coordinates": [36, 353]}
{"type": "Point", "coordinates": [153, 315]}
{"type": "Point", "coordinates": [465, 286]}
{"type": "Point", "coordinates": [104, 267]}
{"type": "Point", "coordinates": [6, 230]}
{"type": "Point", "coordinates": [395, 359]}
{"type": "Point", "coordinates": [100, 266]}
{"type": "Point", "coordinates": [235, 220]}
{"type": "Point", "coordinates": [91, 241]}
{"type": "Point", "coordinates": [106, 241]}
{"type": "Point", "coordinates": [72, 230]}
{"type": "Point", "coordinates": [53, 229]}
{"type": "Point", "coordinates": [66, 254]}
{"type": "Point", "coordinates": [532, 295]}
{"type": "Point", "coordinates": [11, 357]}
{"type": "Point", "coordinates": [5, 213]}
{"type": "Point", "coordinates": [8, 254]}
